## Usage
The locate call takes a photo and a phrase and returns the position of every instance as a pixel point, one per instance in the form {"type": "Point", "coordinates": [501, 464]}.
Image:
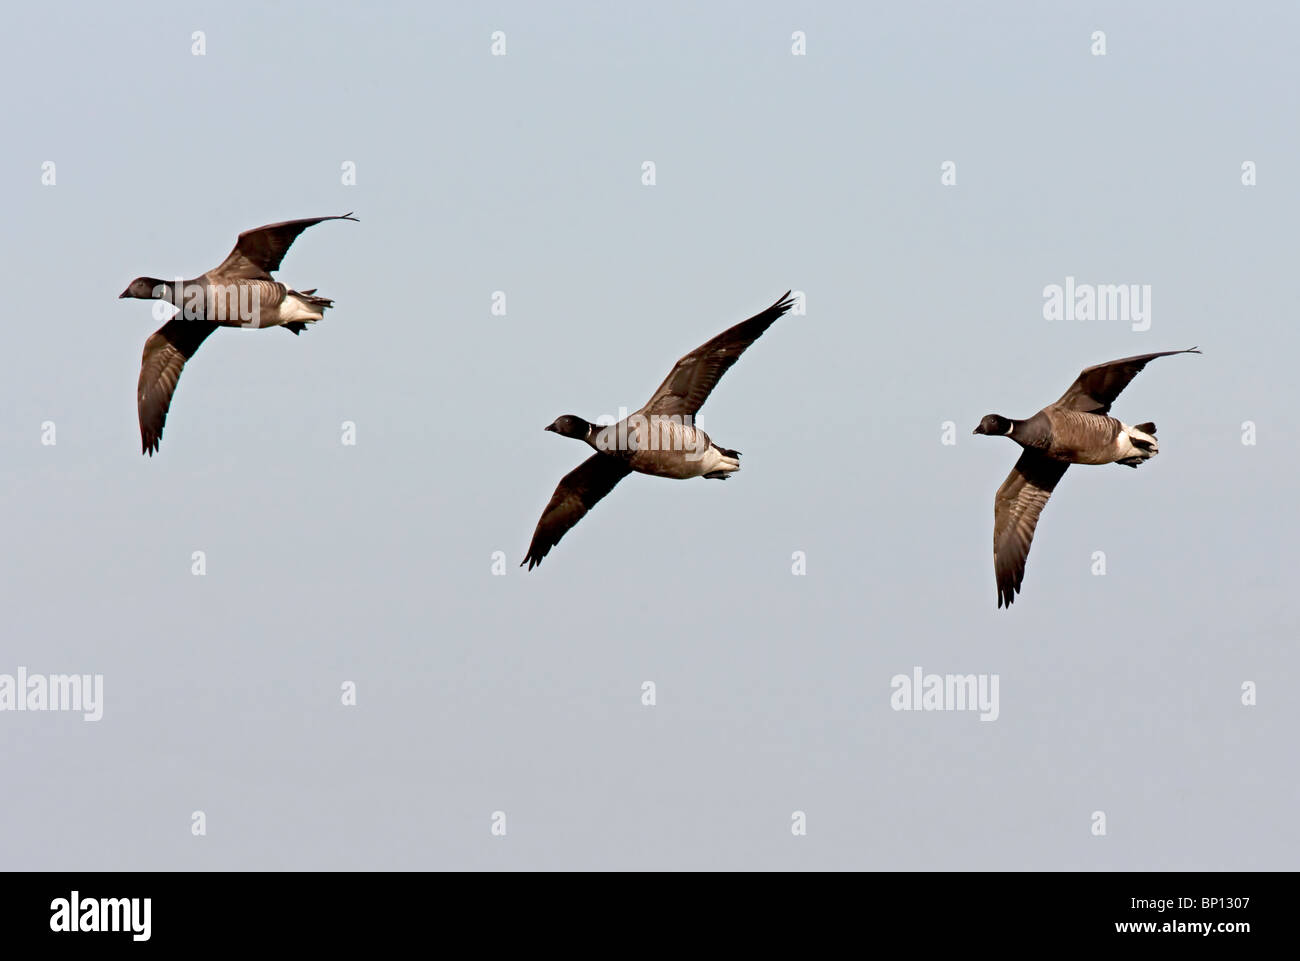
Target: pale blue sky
{"type": "Point", "coordinates": [521, 693]}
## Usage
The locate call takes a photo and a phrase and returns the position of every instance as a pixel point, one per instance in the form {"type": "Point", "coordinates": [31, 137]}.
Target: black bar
{"type": "Point", "coordinates": [332, 910]}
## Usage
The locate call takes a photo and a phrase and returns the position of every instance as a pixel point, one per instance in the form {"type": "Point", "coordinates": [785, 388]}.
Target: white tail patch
{"type": "Point", "coordinates": [1126, 448]}
{"type": "Point", "coordinates": [715, 460]}
{"type": "Point", "coordinates": [297, 310]}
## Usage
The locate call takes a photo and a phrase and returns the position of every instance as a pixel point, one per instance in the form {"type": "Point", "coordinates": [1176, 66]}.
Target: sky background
{"type": "Point", "coordinates": [521, 693]}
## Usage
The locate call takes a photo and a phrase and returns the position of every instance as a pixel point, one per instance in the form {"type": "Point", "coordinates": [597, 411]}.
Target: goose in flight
{"type": "Point", "coordinates": [1076, 429]}
{"type": "Point", "coordinates": [238, 293]}
{"type": "Point", "coordinates": [660, 439]}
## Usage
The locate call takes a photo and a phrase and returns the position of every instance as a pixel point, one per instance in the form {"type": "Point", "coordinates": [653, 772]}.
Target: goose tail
{"type": "Point", "coordinates": [726, 463]}
{"type": "Point", "coordinates": [1138, 444]}
{"type": "Point", "coordinates": [308, 297]}
{"type": "Point", "coordinates": [1144, 437]}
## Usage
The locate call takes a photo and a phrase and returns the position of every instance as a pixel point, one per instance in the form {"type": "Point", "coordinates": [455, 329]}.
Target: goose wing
{"type": "Point", "coordinates": [165, 354]}
{"type": "Point", "coordinates": [693, 378]}
{"type": "Point", "coordinates": [1097, 387]}
{"type": "Point", "coordinates": [259, 251]}
{"type": "Point", "coordinates": [576, 494]}
{"type": "Point", "coordinates": [1016, 507]}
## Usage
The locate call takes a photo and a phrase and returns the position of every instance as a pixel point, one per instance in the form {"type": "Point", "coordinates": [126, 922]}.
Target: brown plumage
{"type": "Point", "coordinates": [165, 354]}
{"type": "Point", "coordinates": [694, 376]}
{"type": "Point", "coordinates": [258, 251]}
{"type": "Point", "coordinates": [659, 439]}
{"type": "Point", "coordinates": [577, 493]}
{"type": "Point", "coordinates": [240, 292]}
{"type": "Point", "coordinates": [1076, 429]}
{"type": "Point", "coordinates": [1016, 507]}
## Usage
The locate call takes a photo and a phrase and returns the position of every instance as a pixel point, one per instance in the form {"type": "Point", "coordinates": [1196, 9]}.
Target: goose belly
{"type": "Point", "coordinates": [1107, 455]}
{"type": "Point", "coordinates": [667, 447]}
{"type": "Point", "coordinates": [254, 303]}
{"type": "Point", "coordinates": [1084, 438]}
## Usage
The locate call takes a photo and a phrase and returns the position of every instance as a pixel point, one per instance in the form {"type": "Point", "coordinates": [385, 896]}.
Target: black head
{"type": "Point", "coordinates": [994, 425]}
{"type": "Point", "coordinates": [145, 288]}
{"type": "Point", "coordinates": [571, 425]}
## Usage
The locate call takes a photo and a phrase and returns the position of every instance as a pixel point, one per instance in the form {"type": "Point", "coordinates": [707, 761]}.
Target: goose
{"type": "Point", "coordinates": [240, 292]}
{"type": "Point", "coordinates": [660, 439]}
{"type": "Point", "coordinates": [1076, 429]}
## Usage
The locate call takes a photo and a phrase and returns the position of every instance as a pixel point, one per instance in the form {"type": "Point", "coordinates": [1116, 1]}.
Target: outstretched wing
{"type": "Point", "coordinates": [165, 354]}
{"type": "Point", "coordinates": [1097, 387]}
{"type": "Point", "coordinates": [259, 251]}
{"type": "Point", "coordinates": [693, 378]}
{"type": "Point", "coordinates": [577, 493]}
{"type": "Point", "coordinates": [1016, 507]}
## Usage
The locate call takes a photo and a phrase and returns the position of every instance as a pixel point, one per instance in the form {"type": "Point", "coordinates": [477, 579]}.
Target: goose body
{"type": "Point", "coordinates": [1076, 429]}
{"type": "Point", "coordinates": [1080, 437]}
{"type": "Point", "coordinates": [236, 303]}
{"type": "Point", "coordinates": [661, 439]}
{"type": "Point", "coordinates": [663, 447]}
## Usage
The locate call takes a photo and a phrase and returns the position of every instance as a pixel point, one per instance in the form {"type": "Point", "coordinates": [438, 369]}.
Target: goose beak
{"type": "Point", "coordinates": [550, 427]}
{"type": "Point", "coordinates": [124, 294]}
{"type": "Point", "coordinates": [975, 431]}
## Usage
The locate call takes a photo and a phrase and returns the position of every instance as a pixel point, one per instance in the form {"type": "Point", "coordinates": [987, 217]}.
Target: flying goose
{"type": "Point", "coordinates": [1074, 430]}
{"type": "Point", "coordinates": [659, 439]}
{"type": "Point", "coordinates": [238, 293]}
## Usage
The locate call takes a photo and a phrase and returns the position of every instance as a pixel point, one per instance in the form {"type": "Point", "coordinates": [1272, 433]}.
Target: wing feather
{"type": "Point", "coordinates": [1016, 507]}
{"type": "Point", "coordinates": [1096, 387]}
{"type": "Point", "coordinates": [576, 494]}
{"type": "Point", "coordinates": [693, 378]}
{"type": "Point", "coordinates": [259, 251]}
{"type": "Point", "coordinates": [165, 354]}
